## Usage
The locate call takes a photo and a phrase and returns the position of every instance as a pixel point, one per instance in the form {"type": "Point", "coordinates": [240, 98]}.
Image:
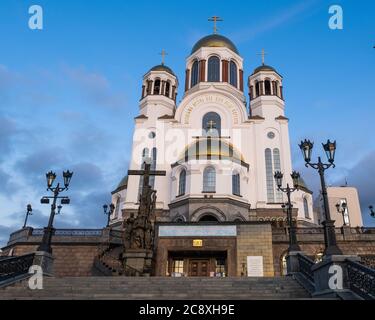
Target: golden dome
{"type": "Point", "coordinates": [212, 149]}
{"type": "Point", "coordinates": [162, 67]}
{"type": "Point", "coordinates": [215, 41]}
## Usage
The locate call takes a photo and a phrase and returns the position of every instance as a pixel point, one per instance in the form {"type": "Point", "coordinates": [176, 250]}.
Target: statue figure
{"type": "Point", "coordinates": [128, 227]}
{"type": "Point", "coordinates": [139, 231]}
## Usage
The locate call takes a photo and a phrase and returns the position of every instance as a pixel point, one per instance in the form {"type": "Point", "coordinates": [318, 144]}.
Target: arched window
{"type": "Point", "coordinates": [194, 73]}
{"type": "Point", "coordinates": [214, 69]}
{"type": "Point", "coordinates": [208, 218]}
{"type": "Point", "coordinates": [179, 219]}
{"type": "Point", "coordinates": [209, 180]}
{"type": "Point", "coordinates": [267, 87]}
{"type": "Point", "coordinates": [257, 89]}
{"type": "Point", "coordinates": [233, 74]}
{"type": "Point", "coordinates": [157, 86]}
{"type": "Point", "coordinates": [154, 156]}
{"type": "Point", "coordinates": [117, 210]}
{"type": "Point", "coordinates": [236, 184]}
{"type": "Point", "coordinates": [149, 87]}
{"type": "Point", "coordinates": [145, 156]}
{"type": "Point", "coordinates": [211, 125]}
{"type": "Point", "coordinates": [168, 89]}
{"type": "Point", "coordinates": [306, 208]}
{"type": "Point", "coordinates": [277, 167]}
{"type": "Point", "coordinates": [277, 89]}
{"type": "Point", "coordinates": [182, 183]}
{"type": "Point", "coordinates": [269, 177]}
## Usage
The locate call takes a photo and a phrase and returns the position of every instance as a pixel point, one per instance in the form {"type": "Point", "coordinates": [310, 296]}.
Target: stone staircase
{"type": "Point", "coordinates": [126, 288]}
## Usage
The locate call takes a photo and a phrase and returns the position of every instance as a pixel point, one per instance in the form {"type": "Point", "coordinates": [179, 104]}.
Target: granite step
{"type": "Point", "coordinates": [160, 289]}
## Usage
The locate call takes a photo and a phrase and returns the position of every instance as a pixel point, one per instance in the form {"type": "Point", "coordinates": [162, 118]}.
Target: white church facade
{"type": "Point", "coordinates": [219, 150]}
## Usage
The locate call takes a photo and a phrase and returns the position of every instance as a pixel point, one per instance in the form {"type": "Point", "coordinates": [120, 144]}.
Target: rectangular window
{"type": "Point", "coordinates": [269, 177]}
{"type": "Point", "coordinates": [277, 167]}
{"type": "Point", "coordinates": [178, 266]}
{"type": "Point", "coordinates": [220, 267]}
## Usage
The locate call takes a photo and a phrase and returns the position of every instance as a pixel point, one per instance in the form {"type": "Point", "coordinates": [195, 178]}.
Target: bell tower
{"type": "Point", "coordinates": [266, 92]}
{"type": "Point", "coordinates": [159, 91]}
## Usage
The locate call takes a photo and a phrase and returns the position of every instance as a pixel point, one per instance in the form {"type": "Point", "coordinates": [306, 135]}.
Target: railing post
{"type": "Point", "coordinates": [331, 276]}
{"type": "Point", "coordinates": [292, 262]}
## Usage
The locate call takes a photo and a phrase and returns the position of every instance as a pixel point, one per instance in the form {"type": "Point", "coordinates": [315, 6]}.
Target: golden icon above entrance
{"type": "Point", "coordinates": [197, 243]}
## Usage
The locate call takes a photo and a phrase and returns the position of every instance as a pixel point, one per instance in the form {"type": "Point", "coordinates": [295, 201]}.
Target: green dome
{"type": "Point", "coordinates": [264, 68]}
{"type": "Point", "coordinates": [215, 41]}
{"type": "Point", "coordinates": [302, 184]}
{"type": "Point", "coordinates": [123, 184]}
{"type": "Point", "coordinates": [162, 67]}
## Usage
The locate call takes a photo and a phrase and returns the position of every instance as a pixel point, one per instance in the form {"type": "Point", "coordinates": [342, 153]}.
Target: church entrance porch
{"type": "Point", "coordinates": [197, 264]}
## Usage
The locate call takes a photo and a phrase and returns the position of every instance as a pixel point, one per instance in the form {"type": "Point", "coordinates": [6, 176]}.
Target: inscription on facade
{"type": "Point", "coordinates": [212, 98]}
{"type": "Point", "coordinates": [197, 231]}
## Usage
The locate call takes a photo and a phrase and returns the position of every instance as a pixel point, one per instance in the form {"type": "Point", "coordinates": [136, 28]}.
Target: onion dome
{"type": "Point", "coordinates": [215, 41]}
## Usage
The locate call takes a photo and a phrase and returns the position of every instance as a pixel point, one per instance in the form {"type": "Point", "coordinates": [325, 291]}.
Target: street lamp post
{"type": "Point", "coordinates": [306, 146]}
{"type": "Point", "coordinates": [341, 208]}
{"type": "Point", "coordinates": [293, 245]}
{"type": "Point", "coordinates": [29, 212]}
{"type": "Point", "coordinates": [49, 230]}
{"type": "Point", "coordinates": [372, 212]}
{"type": "Point", "coordinates": [109, 213]}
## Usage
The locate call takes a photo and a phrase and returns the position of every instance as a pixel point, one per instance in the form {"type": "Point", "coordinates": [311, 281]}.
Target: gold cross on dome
{"type": "Point", "coordinates": [163, 54]}
{"type": "Point", "coordinates": [215, 20]}
{"type": "Point", "coordinates": [263, 54]}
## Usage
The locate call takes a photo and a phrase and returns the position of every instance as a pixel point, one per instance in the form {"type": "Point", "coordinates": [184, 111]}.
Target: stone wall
{"type": "Point", "coordinates": [70, 260]}
{"type": "Point", "coordinates": [352, 241]}
{"type": "Point", "coordinates": [255, 240]}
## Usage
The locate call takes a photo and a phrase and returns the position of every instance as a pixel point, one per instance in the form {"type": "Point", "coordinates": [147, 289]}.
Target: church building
{"type": "Point", "coordinates": [219, 150]}
{"type": "Point", "coordinates": [211, 158]}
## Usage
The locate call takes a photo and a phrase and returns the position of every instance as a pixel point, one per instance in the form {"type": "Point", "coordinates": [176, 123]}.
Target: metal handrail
{"type": "Point", "coordinates": [361, 280]}
{"type": "Point", "coordinates": [305, 265]}
{"type": "Point", "coordinates": [15, 266]}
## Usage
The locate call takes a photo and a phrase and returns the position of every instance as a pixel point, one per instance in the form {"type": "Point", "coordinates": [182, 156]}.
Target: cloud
{"type": "Point", "coordinates": [95, 88]}
{"type": "Point", "coordinates": [87, 176]}
{"type": "Point", "coordinates": [7, 186]}
{"type": "Point", "coordinates": [39, 162]}
{"type": "Point", "coordinates": [90, 209]}
{"type": "Point", "coordinates": [362, 176]}
{"type": "Point", "coordinates": [273, 22]}
{"type": "Point", "coordinates": [4, 234]}
{"type": "Point", "coordinates": [8, 130]}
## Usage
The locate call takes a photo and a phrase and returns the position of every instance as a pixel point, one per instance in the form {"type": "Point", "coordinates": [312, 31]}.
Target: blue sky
{"type": "Point", "coordinates": [69, 93]}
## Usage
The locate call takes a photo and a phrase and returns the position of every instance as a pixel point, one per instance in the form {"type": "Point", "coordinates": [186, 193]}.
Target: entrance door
{"type": "Point", "coordinates": [198, 268]}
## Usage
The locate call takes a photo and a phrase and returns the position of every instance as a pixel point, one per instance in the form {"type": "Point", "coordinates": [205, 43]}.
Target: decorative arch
{"type": "Point", "coordinates": [208, 210]}
{"type": "Point", "coordinates": [239, 218]}
{"type": "Point", "coordinates": [283, 263]}
{"type": "Point", "coordinates": [195, 105]}
{"type": "Point", "coordinates": [179, 219]}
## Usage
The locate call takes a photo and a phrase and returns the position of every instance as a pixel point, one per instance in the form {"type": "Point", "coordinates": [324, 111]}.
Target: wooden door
{"type": "Point", "coordinates": [199, 268]}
